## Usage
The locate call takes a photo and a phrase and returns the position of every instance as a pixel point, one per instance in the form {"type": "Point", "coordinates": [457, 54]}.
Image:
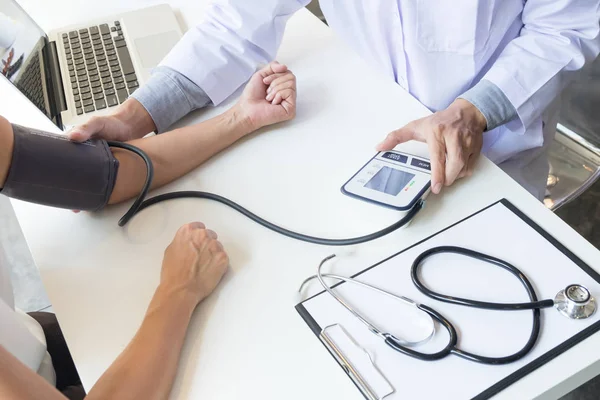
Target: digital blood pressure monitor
{"type": "Point", "coordinates": [392, 179]}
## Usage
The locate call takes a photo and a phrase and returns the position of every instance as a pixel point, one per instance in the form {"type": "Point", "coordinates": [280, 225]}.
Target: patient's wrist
{"type": "Point", "coordinates": [133, 114]}
{"type": "Point", "coordinates": [240, 120]}
{"type": "Point", "coordinates": [182, 298]}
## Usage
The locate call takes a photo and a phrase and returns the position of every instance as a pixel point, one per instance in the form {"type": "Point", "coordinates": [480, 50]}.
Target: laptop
{"type": "Point", "coordinates": [87, 69]}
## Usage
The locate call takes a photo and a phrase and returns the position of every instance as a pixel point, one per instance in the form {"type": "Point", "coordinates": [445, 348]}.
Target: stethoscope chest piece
{"type": "Point", "coordinates": [575, 302]}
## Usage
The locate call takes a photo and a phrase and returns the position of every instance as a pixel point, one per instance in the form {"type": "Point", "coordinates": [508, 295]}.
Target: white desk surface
{"type": "Point", "coordinates": [246, 341]}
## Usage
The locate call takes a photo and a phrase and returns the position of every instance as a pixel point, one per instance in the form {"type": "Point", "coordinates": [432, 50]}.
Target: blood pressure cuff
{"type": "Point", "coordinates": [51, 170]}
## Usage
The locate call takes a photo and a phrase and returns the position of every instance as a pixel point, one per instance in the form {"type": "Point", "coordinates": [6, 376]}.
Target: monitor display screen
{"type": "Point", "coordinates": [389, 180]}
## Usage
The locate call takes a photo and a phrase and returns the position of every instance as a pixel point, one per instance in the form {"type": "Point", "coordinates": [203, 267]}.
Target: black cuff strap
{"type": "Point", "coordinates": [51, 170]}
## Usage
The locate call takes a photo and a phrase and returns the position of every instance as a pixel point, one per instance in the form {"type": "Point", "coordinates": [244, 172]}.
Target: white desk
{"type": "Point", "coordinates": [247, 341]}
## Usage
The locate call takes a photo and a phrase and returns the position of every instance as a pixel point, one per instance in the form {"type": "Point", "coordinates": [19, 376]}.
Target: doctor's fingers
{"type": "Point", "coordinates": [457, 156]}
{"type": "Point", "coordinates": [437, 158]}
{"type": "Point", "coordinates": [473, 144]}
{"type": "Point", "coordinates": [465, 171]}
{"type": "Point", "coordinates": [88, 130]}
{"type": "Point", "coordinates": [396, 137]}
{"type": "Point", "coordinates": [471, 164]}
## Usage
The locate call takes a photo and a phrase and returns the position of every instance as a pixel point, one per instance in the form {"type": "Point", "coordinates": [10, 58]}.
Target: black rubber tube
{"type": "Point", "coordinates": [136, 206]}
{"type": "Point", "coordinates": [533, 305]}
{"type": "Point", "coordinates": [140, 204]}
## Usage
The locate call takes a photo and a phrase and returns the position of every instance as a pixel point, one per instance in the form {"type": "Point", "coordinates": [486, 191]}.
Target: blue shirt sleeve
{"type": "Point", "coordinates": [491, 102]}
{"type": "Point", "coordinates": [168, 96]}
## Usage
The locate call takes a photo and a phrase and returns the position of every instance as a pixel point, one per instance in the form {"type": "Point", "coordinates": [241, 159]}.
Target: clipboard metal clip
{"type": "Point", "coordinates": [357, 362]}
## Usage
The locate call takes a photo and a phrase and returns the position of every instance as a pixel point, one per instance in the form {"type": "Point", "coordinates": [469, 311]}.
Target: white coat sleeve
{"type": "Point", "coordinates": [558, 37]}
{"type": "Point", "coordinates": [236, 36]}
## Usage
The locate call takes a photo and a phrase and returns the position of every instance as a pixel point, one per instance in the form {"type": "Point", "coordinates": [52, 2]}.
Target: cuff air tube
{"type": "Point", "coordinates": [51, 170]}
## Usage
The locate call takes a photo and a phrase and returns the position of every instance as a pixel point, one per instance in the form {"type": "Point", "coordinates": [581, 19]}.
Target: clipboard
{"type": "Point", "coordinates": [511, 236]}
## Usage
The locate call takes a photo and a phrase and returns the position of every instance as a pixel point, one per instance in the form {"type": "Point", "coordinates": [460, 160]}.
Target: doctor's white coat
{"type": "Point", "coordinates": [435, 49]}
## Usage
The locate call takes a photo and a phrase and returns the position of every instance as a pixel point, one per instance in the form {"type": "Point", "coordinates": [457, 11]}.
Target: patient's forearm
{"type": "Point", "coordinates": [18, 382]}
{"type": "Point", "coordinates": [176, 153]}
{"type": "Point", "coordinates": [147, 367]}
{"type": "Point", "coordinates": [173, 154]}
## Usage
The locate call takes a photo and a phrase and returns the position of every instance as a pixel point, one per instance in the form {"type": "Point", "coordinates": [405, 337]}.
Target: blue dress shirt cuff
{"type": "Point", "coordinates": [491, 102]}
{"type": "Point", "coordinates": [168, 96]}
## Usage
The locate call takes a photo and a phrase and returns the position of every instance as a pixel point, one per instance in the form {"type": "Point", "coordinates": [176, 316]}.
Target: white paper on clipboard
{"type": "Point", "coordinates": [501, 231]}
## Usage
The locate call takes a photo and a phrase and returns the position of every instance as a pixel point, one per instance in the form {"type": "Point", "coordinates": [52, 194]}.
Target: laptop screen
{"type": "Point", "coordinates": [21, 60]}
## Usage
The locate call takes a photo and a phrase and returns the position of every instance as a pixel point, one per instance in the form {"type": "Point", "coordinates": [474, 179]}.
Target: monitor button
{"type": "Point", "coordinates": [395, 157]}
{"type": "Point", "coordinates": [421, 164]}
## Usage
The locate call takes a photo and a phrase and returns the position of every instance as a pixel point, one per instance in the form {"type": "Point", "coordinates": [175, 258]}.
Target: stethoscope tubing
{"type": "Point", "coordinates": [534, 304]}
{"type": "Point", "coordinates": [451, 347]}
{"type": "Point", "coordinates": [370, 325]}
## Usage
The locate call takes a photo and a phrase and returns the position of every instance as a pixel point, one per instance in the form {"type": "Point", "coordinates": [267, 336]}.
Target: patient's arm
{"type": "Point", "coordinates": [193, 265]}
{"type": "Point", "coordinates": [269, 97]}
{"type": "Point", "coordinates": [19, 382]}
{"type": "Point", "coordinates": [177, 152]}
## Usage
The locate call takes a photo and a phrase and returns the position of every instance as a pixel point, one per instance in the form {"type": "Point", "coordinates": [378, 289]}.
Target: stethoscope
{"type": "Point", "coordinates": [574, 302]}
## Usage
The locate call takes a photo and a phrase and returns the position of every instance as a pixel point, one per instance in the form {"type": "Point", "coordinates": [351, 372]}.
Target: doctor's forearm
{"type": "Point", "coordinates": [491, 102]}
{"type": "Point", "coordinates": [234, 39]}
{"type": "Point", "coordinates": [169, 96]}
{"type": "Point", "coordinates": [176, 153]}
{"type": "Point", "coordinates": [557, 38]}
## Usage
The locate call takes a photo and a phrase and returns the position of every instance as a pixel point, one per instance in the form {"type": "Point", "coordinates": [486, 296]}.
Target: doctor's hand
{"type": "Point", "coordinates": [454, 137]}
{"type": "Point", "coordinates": [269, 96]}
{"type": "Point", "coordinates": [193, 264]}
{"type": "Point", "coordinates": [129, 121]}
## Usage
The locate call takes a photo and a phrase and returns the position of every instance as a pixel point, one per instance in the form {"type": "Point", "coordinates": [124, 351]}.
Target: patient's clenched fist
{"type": "Point", "coordinates": [194, 262]}
{"type": "Point", "coordinates": [270, 96]}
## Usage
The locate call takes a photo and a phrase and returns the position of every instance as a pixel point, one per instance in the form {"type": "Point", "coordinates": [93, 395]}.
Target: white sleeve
{"type": "Point", "coordinates": [558, 37]}
{"type": "Point", "coordinates": [236, 36]}
{"type": "Point", "coordinates": [16, 337]}
{"type": "Point", "coordinates": [6, 290]}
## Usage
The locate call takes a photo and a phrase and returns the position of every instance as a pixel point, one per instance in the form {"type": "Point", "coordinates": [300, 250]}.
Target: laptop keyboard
{"type": "Point", "coordinates": [100, 68]}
